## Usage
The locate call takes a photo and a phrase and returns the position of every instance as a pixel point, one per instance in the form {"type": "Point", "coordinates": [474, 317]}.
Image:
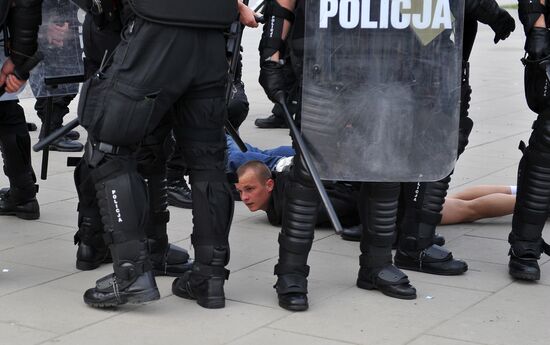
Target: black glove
{"type": "Point", "coordinates": [503, 26]}
{"type": "Point", "coordinates": [537, 43]}
{"type": "Point", "coordinates": [272, 79]}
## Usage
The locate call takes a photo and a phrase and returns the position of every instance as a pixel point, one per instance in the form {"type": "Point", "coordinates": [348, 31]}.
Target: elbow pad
{"type": "Point", "coordinates": [272, 36]}
{"type": "Point", "coordinates": [24, 20]}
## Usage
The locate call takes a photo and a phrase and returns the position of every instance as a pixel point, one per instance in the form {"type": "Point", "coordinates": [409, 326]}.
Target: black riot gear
{"type": "Point", "coordinates": [533, 195]}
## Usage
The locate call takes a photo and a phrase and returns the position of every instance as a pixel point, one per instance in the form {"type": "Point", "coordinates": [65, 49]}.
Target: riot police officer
{"type": "Point", "coordinates": [533, 195]}
{"type": "Point", "coordinates": [172, 56]}
{"type": "Point", "coordinates": [101, 35]}
{"type": "Point", "coordinates": [21, 18]}
{"type": "Point", "coordinates": [421, 203]}
{"type": "Point", "coordinates": [378, 201]}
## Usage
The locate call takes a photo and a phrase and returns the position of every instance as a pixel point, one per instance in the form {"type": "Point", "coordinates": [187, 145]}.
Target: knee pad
{"type": "Point", "coordinates": [122, 199]}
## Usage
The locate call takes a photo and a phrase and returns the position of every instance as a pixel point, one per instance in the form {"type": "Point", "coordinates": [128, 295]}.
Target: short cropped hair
{"type": "Point", "coordinates": [260, 169]}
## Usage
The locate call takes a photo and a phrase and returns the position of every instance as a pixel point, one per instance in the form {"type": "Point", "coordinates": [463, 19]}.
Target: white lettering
{"type": "Point", "coordinates": [328, 9]}
{"type": "Point", "coordinates": [349, 13]}
{"type": "Point", "coordinates": [400, 20]}
{"type": "Point", "coordinates": [422, 21]}
{"type": "Point", "coordinates": [442, 16]}
{"type": "Point", "coordinates": [396, 14]}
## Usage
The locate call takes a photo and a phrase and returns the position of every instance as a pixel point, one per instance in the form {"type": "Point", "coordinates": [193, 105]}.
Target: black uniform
{"type": "Point", "coordinates": [22, 22]}
{"type": "Point", "coordinates": [175, 60]}
{"type": "Point", "coordinates": [377, 201]}
{"type": "Point", "coordinates": [343, 197]}
{"type": "Point", "coordinates": [421, 203]}
{"type": "Point", "coordinates": [533, 196]}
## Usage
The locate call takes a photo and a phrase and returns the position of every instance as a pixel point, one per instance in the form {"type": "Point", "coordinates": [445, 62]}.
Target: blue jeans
{"type": "Point", "coordinates": [236, 158]}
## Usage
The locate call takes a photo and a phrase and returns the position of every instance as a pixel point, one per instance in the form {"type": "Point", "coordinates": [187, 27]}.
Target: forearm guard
{"type": "Point", "coordinates": [485, 11]}
{"type": "Point", "coordinates": [529, 11]}
{"type": "Point", "coordinates": [272, 38]}
{"type": "Point", "coordinates": [24, 20]}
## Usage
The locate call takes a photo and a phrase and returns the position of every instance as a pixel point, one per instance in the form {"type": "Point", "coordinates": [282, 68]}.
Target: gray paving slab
{"type": "Point", "coordinates": [368, 317]}
{"type": "Point", "coordinates": [512, 315]}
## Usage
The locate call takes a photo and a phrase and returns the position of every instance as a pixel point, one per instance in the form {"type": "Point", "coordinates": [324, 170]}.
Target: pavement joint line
{"type": "Point", "coordinates": [55, 338]}
{"type": "Point", "coordinates": [266, 325]}
{"type": "Point", "coordinates": [313, 336]}
{"type": "Point", "coordinates": [35, 266]}
{"type": "Point", "coordinates": [448, 338]}
{"type": "Point", "coordinates": [484, 176]}
{"type": "Point", "coordinates": [35, 242]}
{"type": "Point", "coordinates": [18, 324]}
{"type": "Point", "coordinates": [55, 201]}
{"type": "Point", "coordinates": [500, 139]}
{"type": "Point", "coordinates": [38, 284]}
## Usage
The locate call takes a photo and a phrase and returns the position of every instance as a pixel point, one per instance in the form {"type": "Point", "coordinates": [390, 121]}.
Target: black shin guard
{"type": "Point", "coordinates": [92, 250]}
{"type": "Point", "coordinates": [533, 200]}
{"type": "Point", "coordinates": [378, 210]}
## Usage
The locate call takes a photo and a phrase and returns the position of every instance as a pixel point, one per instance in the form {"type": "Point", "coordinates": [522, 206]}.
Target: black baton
{"type": "Point", "coordinates": [295, 133]}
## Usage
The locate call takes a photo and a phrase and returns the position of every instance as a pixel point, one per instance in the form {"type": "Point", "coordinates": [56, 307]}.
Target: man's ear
{"type": "Point", "coordinates": [270, 184]}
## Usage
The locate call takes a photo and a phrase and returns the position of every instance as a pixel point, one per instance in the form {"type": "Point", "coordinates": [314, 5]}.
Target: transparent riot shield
{"type": "Point", "coordinates": [59, 42]}
{"type": "Point", "coordinates": [381, 88]}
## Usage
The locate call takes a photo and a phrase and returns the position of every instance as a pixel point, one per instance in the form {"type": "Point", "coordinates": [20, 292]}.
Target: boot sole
{"type": "Point", "coordinates": [369, 286]}
{"type": "Point", "coordinates": [525, 276]}
{"type": "Point", "coordinates": [431, 271]}
{"type": "Point", "coordinates": [25, 216]}
{"type": "Point", "coordinates": [137, 298]}
{"type": "Point", "coordinates": [294, 307]}
{"type": "Point", "coordinates": [205, 302]}
{"type": "Point", "coordinates": [209, 303]}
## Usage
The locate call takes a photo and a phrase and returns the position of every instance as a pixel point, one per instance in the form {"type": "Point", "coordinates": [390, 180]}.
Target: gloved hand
{"type": "Point", "coordinates": [537, 43]}
{"type": "Point", "coordinates": [503, 26]}
{"type": "Point", "coordinates": [272, 79]}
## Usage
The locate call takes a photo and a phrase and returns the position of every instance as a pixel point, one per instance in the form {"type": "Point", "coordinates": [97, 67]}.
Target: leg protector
{"type": "Point", "coordinates": [533, 198]}
{"type": "Point", "coordinates": [378, 204]}
{"type": "Point", "coordinates": [92, 250]}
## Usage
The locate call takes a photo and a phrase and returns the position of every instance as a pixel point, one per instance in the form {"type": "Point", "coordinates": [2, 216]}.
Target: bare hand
{"type": "Point", "coordinates": [247, 16]}
{"type": "Point", "coordinates": [9, 79]}
{"type": "Point", "coordinates": [56, 34]}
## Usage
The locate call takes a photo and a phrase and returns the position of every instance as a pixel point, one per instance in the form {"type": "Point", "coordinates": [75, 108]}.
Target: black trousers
{"type": "Point", "coordinates": [159, 71]}
{"type": "Point", "coordinates": [16, 151]}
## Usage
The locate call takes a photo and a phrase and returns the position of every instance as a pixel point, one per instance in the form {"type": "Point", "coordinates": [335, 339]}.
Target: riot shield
{"type": "Point", "coordinates": [381, 88]}
{"type": "Point", "coordinates": [59, 42]}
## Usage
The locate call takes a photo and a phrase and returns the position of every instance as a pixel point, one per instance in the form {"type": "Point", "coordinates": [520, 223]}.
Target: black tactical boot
{"type": "Point", "coordinates": [65, 144]}
{"type": "Point", "coordinates": [292, 292]}
{"type": "Point", "coordinates": [433, 260]}
{"type": "Point", "coordinates": [179, 193]}
{"type": "Point", "coordinates": [523, 268]}
{"type": "Point", "coordinates": [92, 250]}
{"type": "Point", "coordinates": [133, 281]}
{"type": "Point", "coordinates": [19, 203]}
{"type": "Point", "coordinates": [204, 283]}
{"type": "Point", "coordinates": [168, 259]}
{"type": "Point", "coordinates": [272, 121]}
{"type": "Point", "coordinates": [72, 135]}
{"type": "Point", "coordinates": [388, 279]}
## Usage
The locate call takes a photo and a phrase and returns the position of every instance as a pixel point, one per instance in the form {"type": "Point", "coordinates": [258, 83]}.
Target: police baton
{"type": "Point", "coordinates": [297, 136]}
{"type": "Point", "coordinates": [53, 136]}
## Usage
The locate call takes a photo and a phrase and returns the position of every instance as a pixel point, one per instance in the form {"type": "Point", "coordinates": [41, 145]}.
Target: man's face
{"type": "Point", "coordinates": [254, 193]}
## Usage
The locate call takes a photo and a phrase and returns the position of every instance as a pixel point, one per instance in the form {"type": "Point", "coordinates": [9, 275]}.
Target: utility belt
{"type": "Point", "coordinates": [214, 14]}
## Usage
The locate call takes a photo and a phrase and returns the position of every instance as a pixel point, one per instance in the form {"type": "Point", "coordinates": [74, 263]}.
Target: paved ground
{"type": "Point", "coordinates": [41, 291]}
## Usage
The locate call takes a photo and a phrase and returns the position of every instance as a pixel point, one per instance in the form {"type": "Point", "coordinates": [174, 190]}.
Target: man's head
{"type": "Point", "coordinates": [255, 185]}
